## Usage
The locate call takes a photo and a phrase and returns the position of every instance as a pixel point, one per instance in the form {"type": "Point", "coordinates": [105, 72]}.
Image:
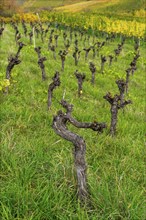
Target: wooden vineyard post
{"type": "Point", "coordinates": [34, 37]}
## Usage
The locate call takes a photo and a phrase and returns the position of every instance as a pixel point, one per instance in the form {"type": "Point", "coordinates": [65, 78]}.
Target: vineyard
{"type": "Point", "coordinates": [72, 109]}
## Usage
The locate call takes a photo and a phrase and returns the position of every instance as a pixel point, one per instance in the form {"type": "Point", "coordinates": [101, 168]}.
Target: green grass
{"type": "Point", "coordinates": [38, 181]}
{"type": "Point", "coordinates": [46, 4]}
{"type": "Point", "coordinates": [124, 6]}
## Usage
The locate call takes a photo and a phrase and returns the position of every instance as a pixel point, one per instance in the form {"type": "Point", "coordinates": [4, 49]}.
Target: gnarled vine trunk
{"type": "Point", "coordinates": [60, 127]}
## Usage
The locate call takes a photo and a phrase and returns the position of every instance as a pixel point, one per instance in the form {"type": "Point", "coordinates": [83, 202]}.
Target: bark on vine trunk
{"type": "Point", "coordinates": [80, 77]}
{"type": "Point", "coordinates": [76, 55]}
{"type": "Point", "coordinates": [121, 86]}
{"type": "Point", "coordinates": [87, 50]}
{"type": "Point", "coordinates": [13, 61]}
{"type": "Point", "coordinates": [60, 127]}
{"type": "Point", "coordinates": [38, 51]}
{"type": "Point", "coordinates": [110, 60]}
{"type": "Point", "coordinates": [114, 115]}
{"type": "Point", "coordinates": [42, 66]}
{"type": "Point", "coordinates": [92, 68]}
{"type": "Point", "coordinates": [127, 79]}
{"type": "Point", "coordinates": [116, 104]}
{"type": "Point", "coordinates": [103, 60]}
{"type": "Point", "coordinates": [62, 55]}
{"type": "Point", "coordinates": [52, 86]}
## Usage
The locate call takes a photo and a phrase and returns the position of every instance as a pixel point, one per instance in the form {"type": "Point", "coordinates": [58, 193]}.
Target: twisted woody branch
{"type": "Point", "coordinates": [80, 77]}
{"type": "Point", "coordinates": [92, 68]}
{"type": "Point", "coordinates": [60, 127]}
{"type": "Point", "coordinates": [13, 61]}
{"type": "Point", "coordinates": [41, 61]}
{"type": "Point", "coordinates": [52, 86]}
{"type": "Point", "coordinates": [38, 51]}
{"type": "Point", "coordinates": [87, 50]}
{"type": "Point", "coordinates": [103, 60]}
{"type": "Point", "coordinates": [76, 55]}
{"type": "Point", "coordinates": [62, 55]}
{"type": "Point", "coordinates": [116, 104]}
{"type": "Point", "coordinates": [121, 86]}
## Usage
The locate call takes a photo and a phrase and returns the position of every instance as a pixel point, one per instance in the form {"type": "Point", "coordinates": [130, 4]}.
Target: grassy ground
{"type": "Point", "coordinates": [37, 172]}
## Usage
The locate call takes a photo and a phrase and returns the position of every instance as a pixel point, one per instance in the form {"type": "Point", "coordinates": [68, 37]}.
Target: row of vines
{"type": "Point", "coordinates": [85, 46]}
{"type": "Point", "coordinates": [87, 22]}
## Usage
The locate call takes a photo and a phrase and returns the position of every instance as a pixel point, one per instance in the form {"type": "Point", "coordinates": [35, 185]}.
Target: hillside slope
{"type": "Point", "coordinates": [123, 6]}
{"type": "Point", "coordinates": [111, 7]}
{"type": "Point", "coordinates": [84, 6]}
{"type": "Point", "coordinates": [31, 5]}
{"type": "Point", "coordinates": [105, 6]}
